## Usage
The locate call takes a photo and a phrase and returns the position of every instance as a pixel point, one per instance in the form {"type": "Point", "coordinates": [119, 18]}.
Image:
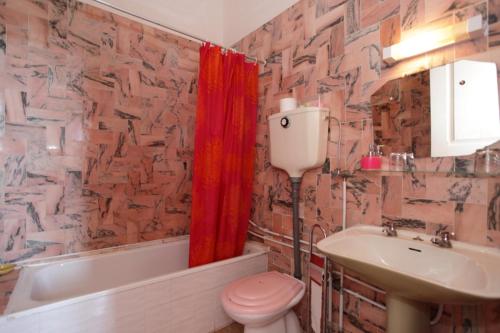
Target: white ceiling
{"type": "Point", "coordinates": [241, 17]}
{"type": "Point", "coordinates": [221, 21]}
{"type": "Point", "coordinates": [201, 18]}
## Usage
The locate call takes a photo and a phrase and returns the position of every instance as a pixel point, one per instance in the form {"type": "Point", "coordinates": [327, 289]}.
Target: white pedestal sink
{"type": "Point", "coordinates": [414, 272]}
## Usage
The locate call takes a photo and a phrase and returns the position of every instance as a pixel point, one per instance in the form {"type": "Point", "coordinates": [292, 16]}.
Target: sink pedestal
{"type": "Point", "coordinates": [405, 315]}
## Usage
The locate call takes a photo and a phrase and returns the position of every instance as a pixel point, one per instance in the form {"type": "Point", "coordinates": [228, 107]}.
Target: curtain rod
{"type": "Point", "coordinates": [191, 36]}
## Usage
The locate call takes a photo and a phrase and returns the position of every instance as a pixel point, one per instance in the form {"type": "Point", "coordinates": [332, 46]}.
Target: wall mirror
{"type": "Point", "coordinates": [451, 110]}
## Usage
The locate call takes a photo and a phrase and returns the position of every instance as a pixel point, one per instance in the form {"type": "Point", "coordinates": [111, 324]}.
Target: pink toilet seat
{"type": "Point", "coordinates": [261, 294]}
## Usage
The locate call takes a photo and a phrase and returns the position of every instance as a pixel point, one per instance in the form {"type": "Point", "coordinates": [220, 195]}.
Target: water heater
{"type": "Point", "coordinates": [299, 139]}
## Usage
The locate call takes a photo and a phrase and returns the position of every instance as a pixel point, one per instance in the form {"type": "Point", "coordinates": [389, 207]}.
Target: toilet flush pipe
{"type": "Point", "coordinates": [297, 271]}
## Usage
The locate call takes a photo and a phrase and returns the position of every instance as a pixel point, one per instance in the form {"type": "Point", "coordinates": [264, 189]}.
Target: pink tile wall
{"type": "Point", "coordinates": [96, 136]}
{"type": "Point", "coordinates": [332, 49]}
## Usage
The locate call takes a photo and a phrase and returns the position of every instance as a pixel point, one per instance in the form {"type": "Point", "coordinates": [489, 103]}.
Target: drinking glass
{"type": "Point", "coordinates": [487, 161]}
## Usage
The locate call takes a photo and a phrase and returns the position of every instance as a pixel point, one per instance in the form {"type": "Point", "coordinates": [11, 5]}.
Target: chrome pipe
{"type": "Point", "coordinates": [324, 283]}
{"type": "Point", "coordinates": [303, 242]}
{"type": "Point", "coordinates": [337, 170]}
{"type": "Point", "coordinates": [333, 272]}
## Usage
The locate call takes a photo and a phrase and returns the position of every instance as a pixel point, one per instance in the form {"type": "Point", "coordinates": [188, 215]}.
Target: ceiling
{"type": "Point", "coordinates": [221, 21]}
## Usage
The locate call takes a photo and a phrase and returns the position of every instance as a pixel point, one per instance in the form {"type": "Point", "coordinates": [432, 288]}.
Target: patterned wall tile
{"type": "Point", "coordinates": [390, 31]}
{"type": "Point", "coordinates": [437, 9]}
{"type": "Point", "coordinates": [412, 13]}
{"type": "Point", "coordinates": [99, 121]}
{"type": "Point", "coordinates": [373, 11]}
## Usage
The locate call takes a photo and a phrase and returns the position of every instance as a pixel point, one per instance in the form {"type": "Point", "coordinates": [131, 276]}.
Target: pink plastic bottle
{"type": "Point", "coordinates": [373, 160]}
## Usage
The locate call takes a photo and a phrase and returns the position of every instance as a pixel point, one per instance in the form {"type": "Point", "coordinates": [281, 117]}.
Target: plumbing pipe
{"type": "Point", "coordinates": [355, 294]}
{"type": "Point", "coordinates": [344, 225]}
{"type": "Point", "coordinates": [272, 233]}
{"type": "Point", "coordinates": [334, 272]}
{"type": "Point", "coordinates": [340, 273]}
{"type": "Point", "coordinates": [344, 203]}
{"type": "Point", "coordinates": [277, 241]}
{"type": "Point", "coordinates": [297, 271]}
{"type": "Point", "coordinates": [433, 322]}
{"type": "Point", "coordinates": [330, 297]}
{"type": "Point", "coordinates": [364, 284]}
{"type": "Point", "coordinates": [438, 315]}
{"type": "Point", "coordinates": [325, 279]}
{"type": "Point", "coordinates": [336, 172]}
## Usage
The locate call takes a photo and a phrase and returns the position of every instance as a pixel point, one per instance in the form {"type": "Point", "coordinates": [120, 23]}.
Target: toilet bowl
{"type": "Point", "coordinates": [263, 302]}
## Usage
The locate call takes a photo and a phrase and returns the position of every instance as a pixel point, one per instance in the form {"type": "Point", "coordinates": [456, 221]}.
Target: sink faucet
{"type": "Point", "coordinates": [443, 239]}
{"type": "Point", "coordinates": [390, 230]}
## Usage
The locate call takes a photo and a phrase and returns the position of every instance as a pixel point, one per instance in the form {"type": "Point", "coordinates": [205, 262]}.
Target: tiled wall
{"type": "Point", "coordinates": [330, 50]}
{"type": "Point", "coordinates": [96, 136]}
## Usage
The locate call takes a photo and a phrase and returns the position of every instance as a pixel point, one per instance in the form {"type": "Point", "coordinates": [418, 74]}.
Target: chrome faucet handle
{"type": "Point", "coordinates": [446, 235]}
{"type": "Point", "coordinates": [443, 239]}
{"type": "Point", "coordinates": [390, 230]}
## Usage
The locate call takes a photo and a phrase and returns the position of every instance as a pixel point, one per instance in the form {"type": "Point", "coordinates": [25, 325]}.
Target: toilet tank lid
{"type": "Point", "coordinates": [302, 109]}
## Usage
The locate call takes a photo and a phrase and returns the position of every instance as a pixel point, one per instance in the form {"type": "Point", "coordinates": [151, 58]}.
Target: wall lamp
{"type": "Point", "coordinates": [428, 40]}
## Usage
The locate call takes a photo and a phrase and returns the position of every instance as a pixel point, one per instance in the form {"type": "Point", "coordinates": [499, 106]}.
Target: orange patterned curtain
{"type": "Point", "coordinates": [224, 155]}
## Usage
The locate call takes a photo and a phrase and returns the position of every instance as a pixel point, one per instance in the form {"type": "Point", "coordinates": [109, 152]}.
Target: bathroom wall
{"type": "Point", "coordinates": [329, 52]}
{"type": "Point", "coordinates": [96, 129]}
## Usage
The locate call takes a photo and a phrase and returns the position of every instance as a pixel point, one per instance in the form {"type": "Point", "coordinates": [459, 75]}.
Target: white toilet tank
{"type": "Point", "coordinates": [299, 139]}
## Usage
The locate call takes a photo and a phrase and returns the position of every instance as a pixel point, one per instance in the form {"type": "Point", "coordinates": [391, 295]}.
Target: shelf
{"type": "Point", "coordinates": [430, 172]}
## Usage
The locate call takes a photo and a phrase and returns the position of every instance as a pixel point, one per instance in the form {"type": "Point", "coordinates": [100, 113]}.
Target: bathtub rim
{"type": "Point", "coordinates": [258, 247]}
{"type": "Point", "coordinates": [105, 250]}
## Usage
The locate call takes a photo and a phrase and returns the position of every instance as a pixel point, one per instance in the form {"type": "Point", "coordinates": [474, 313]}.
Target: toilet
{"type": "Point", "coordinates": [263, 302]}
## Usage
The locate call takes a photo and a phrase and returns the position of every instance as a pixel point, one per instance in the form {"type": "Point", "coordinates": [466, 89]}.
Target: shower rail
{"type": "Point", "coordinates": [171, 29]}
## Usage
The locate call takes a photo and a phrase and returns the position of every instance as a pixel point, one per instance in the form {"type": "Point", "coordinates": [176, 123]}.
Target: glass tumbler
{"type": "Point", "coordinates": [397, 161]}
{"type": "Point", "coordinates": [487, 161]}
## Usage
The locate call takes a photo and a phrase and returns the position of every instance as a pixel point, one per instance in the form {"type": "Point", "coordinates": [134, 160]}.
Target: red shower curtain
{"type": "Point", "coordinates": [224, 155]}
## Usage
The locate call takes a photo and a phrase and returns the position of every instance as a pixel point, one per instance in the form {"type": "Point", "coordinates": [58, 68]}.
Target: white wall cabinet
{"type": "Point", "coordinates": [464, 108]}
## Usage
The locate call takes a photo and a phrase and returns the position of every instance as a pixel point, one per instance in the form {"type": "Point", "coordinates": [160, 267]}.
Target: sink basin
{"type": "Point", "coordinates": [413, 271]}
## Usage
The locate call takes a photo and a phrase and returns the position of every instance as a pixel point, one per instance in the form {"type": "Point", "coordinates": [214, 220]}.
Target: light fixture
{"type": "Point", "coordinates": [427, 40]}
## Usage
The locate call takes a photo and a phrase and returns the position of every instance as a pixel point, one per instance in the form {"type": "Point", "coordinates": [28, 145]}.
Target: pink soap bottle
{"type": "Point", "coordinates": [373, 160]}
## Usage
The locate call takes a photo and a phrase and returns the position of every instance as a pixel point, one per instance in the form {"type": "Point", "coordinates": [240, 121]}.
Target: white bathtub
{"type": "Point", "coordinates": [142, 289]}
